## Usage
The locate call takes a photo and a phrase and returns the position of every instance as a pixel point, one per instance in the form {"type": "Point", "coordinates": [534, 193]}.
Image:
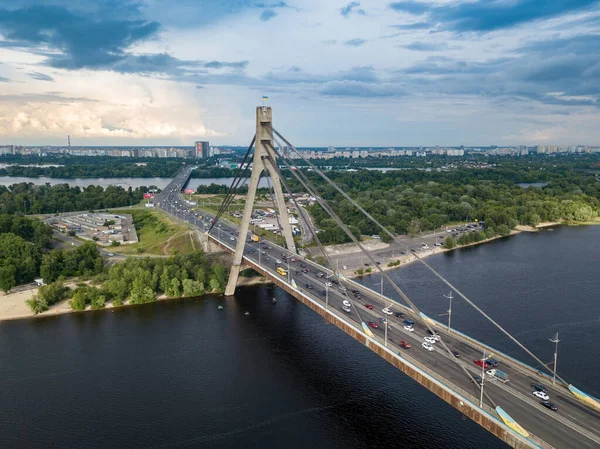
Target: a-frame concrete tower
{"type": "Point", "coordinates": [265, 158]}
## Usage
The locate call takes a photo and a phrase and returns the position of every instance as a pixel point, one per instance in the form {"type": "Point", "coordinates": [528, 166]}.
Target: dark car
{"type": "Point", "coordinates": [354, 291]}
{"type": "Point", "coordinates": [492, 362]}
{"type": "Point", "coordinates": [539, 387]}
{"type": "Point", "coordinates": [476, 379]}
{"type": "Point", "coordinates": [399, 314]}
{"type": "Point", "coordinates": [436, 333]}
{"type": "Point", "coordinates": [551, 405]}
{"type": "Point", "coordinates": [323, 292]}
{"type": "Point", "coordinates": [309, 286]}
{"type": "Point", "coordinates": [456, 354]}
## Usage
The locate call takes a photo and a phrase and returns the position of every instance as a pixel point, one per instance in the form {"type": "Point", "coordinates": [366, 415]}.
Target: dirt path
{"type": "Point", "coordinates": [166, 247]}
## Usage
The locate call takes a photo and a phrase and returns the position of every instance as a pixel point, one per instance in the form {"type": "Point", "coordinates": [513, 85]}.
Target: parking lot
{"type": "Point", "coordinates": [102, 228]}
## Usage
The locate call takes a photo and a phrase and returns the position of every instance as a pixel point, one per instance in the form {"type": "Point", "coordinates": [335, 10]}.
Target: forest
{"type": "Point", "coordinates": [29, 198]}
{"type": "Point", "coordinates": [411, 201]}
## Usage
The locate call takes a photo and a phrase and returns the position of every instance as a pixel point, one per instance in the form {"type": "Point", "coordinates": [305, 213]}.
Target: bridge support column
{"type": "Point", "coordinates": [264, 159]}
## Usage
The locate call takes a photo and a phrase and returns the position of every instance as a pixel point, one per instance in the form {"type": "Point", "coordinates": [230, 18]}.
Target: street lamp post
{"type": "Point", "coordinates": [326, 296]}
{"type": "Point", "coordinates": [385, 323]}
{"type": "Point", "coordinates": [449, 296]}
{"type": "Point", "coordinates": [555, 340]}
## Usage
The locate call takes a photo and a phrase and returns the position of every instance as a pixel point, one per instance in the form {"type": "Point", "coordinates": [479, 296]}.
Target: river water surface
{"type": "Point", "coordinates": [184, 374]}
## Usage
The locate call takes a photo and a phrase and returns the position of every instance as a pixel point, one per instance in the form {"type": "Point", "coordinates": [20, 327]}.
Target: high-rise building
{"type": "Point", "coordinates": [202, 149]}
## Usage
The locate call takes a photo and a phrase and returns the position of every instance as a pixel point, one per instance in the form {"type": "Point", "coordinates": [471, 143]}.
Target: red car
{"type": "Point", "coordinates": [482, 363]}
{"type": "Point", "coordinates": [405, 344]}
{"type": "Point", "coordinates": [369, 306]}
{"type": "Point", "coordinates": [293, 259]}
{"type": "Point", "coordinates": [373, 325]}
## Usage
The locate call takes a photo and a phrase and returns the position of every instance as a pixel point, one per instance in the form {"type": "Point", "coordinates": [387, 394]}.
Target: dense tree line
{"type": "Point", "coordinates": [80, 261]}
{"type": "Point", "coordinates": [29, 198]}
{"type": "Point", "coordinates": [22, 241]}
{"type": "Point", "coordinates": [413, 201]}
{"type": "Point", "coordinates": [47, 296]}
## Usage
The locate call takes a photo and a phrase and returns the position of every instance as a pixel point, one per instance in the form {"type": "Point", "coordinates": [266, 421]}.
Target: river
{"type": "Point", "coordinates": [184, 374]}
{"type": "Point", "coordinates": [123, 182]}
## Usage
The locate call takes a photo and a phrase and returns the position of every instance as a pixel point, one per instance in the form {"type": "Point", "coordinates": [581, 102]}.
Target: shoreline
{"type": "Point", "coordinates": [13, 306]}
{"type": "Point", "coordinates": [410, 258]}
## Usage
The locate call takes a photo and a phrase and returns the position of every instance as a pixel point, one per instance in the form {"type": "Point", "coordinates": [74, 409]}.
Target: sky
{"type": "Point", "coordinates": [337, 73]}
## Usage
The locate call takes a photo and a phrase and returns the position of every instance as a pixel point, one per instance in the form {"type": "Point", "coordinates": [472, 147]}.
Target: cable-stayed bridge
{"type": "Point", "coordinates": [508, 409]}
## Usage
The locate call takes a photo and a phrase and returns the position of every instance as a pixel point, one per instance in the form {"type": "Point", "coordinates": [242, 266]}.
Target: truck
{"type": "Point", "coordinates": [254, 238]}
{"type": "Point", "coordinates": [499, 375]}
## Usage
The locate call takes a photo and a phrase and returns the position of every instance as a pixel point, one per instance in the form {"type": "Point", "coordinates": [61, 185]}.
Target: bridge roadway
{"type": "Point", "coordinates": [575, 425]}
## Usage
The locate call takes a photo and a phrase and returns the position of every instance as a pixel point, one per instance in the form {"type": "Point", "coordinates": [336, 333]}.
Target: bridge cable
{"type": "Point", "coordinates": [234, 185]}
{"type": "Point", "coordinates": [323, 203]}
{"type": "Point", "coordinates": [316, 238]}
{"type": "Point", "coordinates": [384, 229]}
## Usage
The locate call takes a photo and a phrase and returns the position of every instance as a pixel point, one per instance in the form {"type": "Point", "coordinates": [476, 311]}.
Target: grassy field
{"type": "Point", "coordinates": [159, 234]}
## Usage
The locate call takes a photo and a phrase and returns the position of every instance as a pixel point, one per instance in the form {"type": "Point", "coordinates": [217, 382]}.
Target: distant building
{"type": "Point", "coordinates": [202, 149]}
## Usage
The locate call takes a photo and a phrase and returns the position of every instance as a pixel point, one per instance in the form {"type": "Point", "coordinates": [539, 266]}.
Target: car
{"type": "Point", "coordinates": [481, 363]}
{"type": "Point", "coordinates": [456, 354]}
{"type": "Point", "coordinates": [302, 265]}
{"type": "Point", "coordinates": [323, 292]}
{"type": "Point", "coordinates": [427, 346]}
{"type": "Point", "coordinates": [231, 238]}
{"type": "Point", "coordinates": [293, 259]}
{"type": "Point", "coordinates": [369, 306]}
{"type": "Point", "coordinates": [346, 303]}
{"type": "Point", "coordinates": [309, 286]}
{"type": "Point", "coordinates": [429, 340]}
{"type": "Point", "coordinates": [307, 270]}
{"type": "Point", "coordinates": [320, 274]}
{"type": "Point", "coordinates": [342, 288]}
{"type": "Point", "coordinates": [346, 309]}
{"type": "Point", "coordinates": [476, 379]}
{"type": "Point", "coordinates": [373, 324]}
{"type": "Point", "coordinates": [405, 344]}
{"type": "Point", "coordinates": [399, 314]}
{"type": "Point", "coordinates": [540, 394]}
{"type": "Point", "coordinates": [110, 254]}
{"type": "Point", "coordinates": [551, 405]}
{"type": "Point", "coordinates": [328, 284]}
{"type": "Point", "coordinates": [277, 261]}
{"type": "Point", "coordinates": [387, 311]}
{"type": "Point", "coordinates": [430, 332]}
{"type": "Point", "coordinates": [492, 362]}
{"type": "Point", "coordinates": [539, 387]}
{"type": "Point", "coordinates": [354, 291]}
{"type": "Point", "coordinates": [409, 328]}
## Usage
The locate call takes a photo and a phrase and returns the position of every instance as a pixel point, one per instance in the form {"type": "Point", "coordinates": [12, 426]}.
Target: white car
{"type": "Point", "coordinates": [278, 261]}
{"type": "Point", "coordinates": [427, 346]}
{"type": "Point", "coordinates": [231, 238]}
{"type": "Point", "coordinates": [540, 394]}
{"type": "Point", "coordinates": [328, 284]}
{"type": "Point", "coordinates": [429, 340]}
{"type": "Point", "coordinates": [346, 303]}
{"type": "Point", "coordinates": [110, 254]}
{"type": "Point", "coordinates": [387, 311]}
{"type": "Point", "coordinates": [346, 309]}
{"type": "Point", "coordinates": [409, 328]}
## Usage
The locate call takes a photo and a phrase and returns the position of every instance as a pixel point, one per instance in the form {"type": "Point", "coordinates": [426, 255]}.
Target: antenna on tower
{"type": "Point", "coordinates": [69, 141]}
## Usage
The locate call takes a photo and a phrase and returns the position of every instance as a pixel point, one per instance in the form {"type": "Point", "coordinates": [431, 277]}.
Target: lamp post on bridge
{"type": "Point", "coordinates": [326, 296]}
{"type": "Point", "coordinates": [385, 331]}
{"type": "Point", "coordinates": [556, 341]}
{"type": "Point", "coordinates": [449, 296]}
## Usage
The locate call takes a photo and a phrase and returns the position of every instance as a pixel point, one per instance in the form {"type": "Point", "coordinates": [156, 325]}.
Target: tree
{"type": "Point", "coordinates": [414, 228]}
{"type": "Point", "coordinates": [449, 242]}
{"type": "Point", "coordinates": [192, 288]}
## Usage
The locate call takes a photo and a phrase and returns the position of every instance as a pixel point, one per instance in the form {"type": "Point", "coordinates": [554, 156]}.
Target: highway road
{"type": "Point", "coordinates": [574, 425]}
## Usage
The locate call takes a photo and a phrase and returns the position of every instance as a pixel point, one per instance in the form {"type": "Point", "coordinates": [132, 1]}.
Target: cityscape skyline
{"type": "Point", "coordinates": [140, 72]}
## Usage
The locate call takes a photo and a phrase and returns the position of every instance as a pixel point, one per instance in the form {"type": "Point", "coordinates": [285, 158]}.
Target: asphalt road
{"type": "Point", "coordinates": [574, 425]}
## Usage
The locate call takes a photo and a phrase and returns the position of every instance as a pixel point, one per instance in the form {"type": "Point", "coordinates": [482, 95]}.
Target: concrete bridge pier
{"type": "Point", "coordinates": [208, 246]}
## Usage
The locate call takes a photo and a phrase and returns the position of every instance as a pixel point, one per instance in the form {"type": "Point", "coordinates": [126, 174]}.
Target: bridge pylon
{"type": "Point", "coordinates": [265, 158]}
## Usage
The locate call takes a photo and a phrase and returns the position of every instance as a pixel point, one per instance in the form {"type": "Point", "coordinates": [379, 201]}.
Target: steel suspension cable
{"type": "Point", "coordinates": [438, 275]}
{"type": "Point", "coordinates": [418, 314]}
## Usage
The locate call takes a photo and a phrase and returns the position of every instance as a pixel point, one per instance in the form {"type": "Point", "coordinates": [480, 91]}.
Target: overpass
{"type": "Point", "coordinates": [508, 410]}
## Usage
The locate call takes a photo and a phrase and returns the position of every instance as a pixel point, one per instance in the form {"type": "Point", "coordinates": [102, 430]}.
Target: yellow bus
{"type": "Point", "coordinates": [281, 271]}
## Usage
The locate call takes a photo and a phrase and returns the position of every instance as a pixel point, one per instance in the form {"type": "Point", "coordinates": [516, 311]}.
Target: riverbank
{"type": "Point", "coordinates": [13, 306]}
{"type": "Point", "coordinates": [405, 259]}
